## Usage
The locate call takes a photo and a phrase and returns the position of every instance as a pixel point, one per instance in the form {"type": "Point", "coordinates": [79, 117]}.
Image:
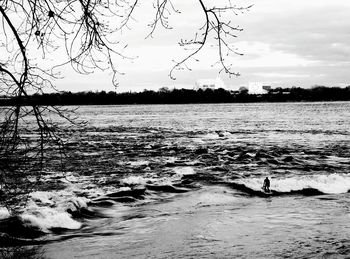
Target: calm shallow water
{"type": "Point", "coordinates": [167, 181]}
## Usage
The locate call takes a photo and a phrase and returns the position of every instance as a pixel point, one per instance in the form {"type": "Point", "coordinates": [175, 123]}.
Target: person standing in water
{"type": "Point", "coordinates": [266, 185]}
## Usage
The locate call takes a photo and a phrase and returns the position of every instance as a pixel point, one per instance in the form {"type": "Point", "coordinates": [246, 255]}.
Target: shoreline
{"type": "Point", "coordinates": [182, 96]}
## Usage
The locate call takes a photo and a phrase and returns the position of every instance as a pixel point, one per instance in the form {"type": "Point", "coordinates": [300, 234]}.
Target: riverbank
{"type": "Point", "coordinates": [184, 96]}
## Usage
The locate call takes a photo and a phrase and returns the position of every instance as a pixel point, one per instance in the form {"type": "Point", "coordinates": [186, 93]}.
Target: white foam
{"type": "Point", "coordinates": [331, 184]}
{"type": "Point", "coordinates": [32, 179]}
{"type": "Point", "coordinates": [186, 170]}
{"type": "Point", "coordinates": [53, 198]}
{"type": "Point", "coordinates": [46, 218]}
{"type": "Point", "coordinates": [170, 160]}
{"type": "Point", "coordinates": [136, 180]}
{"type": "Point", "coordinates": [139, 163]}
{"type": "Point", "coordinates": [72, 178]}
{"type": "Point", "coordinates": [38, 214]}
{"type": "Point", "coordinates": [43, 197]}
{"type": "Point", "coordinates": [76, 203]}
{"type": "Point", "coordinates": [139, 180]}
{"type": "Point", "coordinates": [4, 213]}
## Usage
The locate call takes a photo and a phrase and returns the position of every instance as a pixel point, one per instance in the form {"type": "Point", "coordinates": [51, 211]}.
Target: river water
{"type": "Point", "coordinates": [184, 181]}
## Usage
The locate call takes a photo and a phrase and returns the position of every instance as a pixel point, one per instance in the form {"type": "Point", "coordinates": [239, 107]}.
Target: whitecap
{"type": "Point", "coordinates": [60, 200]}
{"type": "Point", "coordinates": [47, 218]}
{"type": "Point", "coordinates": [76, 204]}
{"type": "Point", "coordinates": [43, 197]}
{"type": "Point", "coordinates": [330, 184]}
{"type": "Point", "coordinates": [186, 170]}
{"type": "Point", "coordinates": [4, 213]}
{"type": "Point", "coordinates": [72, 178]}
{"type": "Point", "coordinates": [170, 160]}
{"type": "Point", "coordinates": [47, 210]}
{"type": "Point", "coordinates": [136, 180]}
{"type": "Point", "coordinates": [139, 163]}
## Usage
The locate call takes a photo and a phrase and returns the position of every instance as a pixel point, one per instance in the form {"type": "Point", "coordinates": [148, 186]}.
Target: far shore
{"type": "Point", "coordinates": [182, 96]}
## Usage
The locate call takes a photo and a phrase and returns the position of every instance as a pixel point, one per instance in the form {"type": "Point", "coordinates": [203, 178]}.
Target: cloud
{"type": "Point", "coordinates": [284, 43]}
{"type": "Point", "coordinates": [316, 32]}
{"type": "Point", "coordinates": [281, 75]}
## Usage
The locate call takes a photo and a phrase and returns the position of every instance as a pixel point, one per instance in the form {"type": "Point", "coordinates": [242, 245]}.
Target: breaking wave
{"type": "Point", "coordinates": [45, 212]}
{"type": "Point", "coordinates": [307, 185]}
{"type": "Point", "coordinates": [4, 213]}
{"type": "Point", "coordinates": [46, 219]}
{"type": "Point", "coordinates": [115, 167]}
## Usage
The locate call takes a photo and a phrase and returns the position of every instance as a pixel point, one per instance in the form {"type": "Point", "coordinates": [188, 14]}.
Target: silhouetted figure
{"type": "Point", "coordinates": [266, 185]}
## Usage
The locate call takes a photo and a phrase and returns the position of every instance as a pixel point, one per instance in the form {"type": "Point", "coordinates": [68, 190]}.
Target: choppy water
{"type": "Point", "coordinates": [184, 181]}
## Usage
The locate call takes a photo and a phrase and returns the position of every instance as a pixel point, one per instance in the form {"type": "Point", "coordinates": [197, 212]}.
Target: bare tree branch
{"type": "Point", "coordinates": [87, 34]}
{"type": "Point", "coordinates": [223, 31]}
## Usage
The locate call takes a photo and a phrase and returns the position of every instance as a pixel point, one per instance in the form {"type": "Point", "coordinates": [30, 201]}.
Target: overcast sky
{"type": "Point", "coordinates": [285, 43]}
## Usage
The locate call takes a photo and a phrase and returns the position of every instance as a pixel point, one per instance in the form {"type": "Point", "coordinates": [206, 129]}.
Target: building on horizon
{"type": "Point", "coordinates": [258, 88]}
{"type": "Point", "coordinates": [210, 83]}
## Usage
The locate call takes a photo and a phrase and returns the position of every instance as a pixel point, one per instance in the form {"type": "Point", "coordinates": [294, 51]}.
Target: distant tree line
{"type": "Point", "coordinates": [182, 96]}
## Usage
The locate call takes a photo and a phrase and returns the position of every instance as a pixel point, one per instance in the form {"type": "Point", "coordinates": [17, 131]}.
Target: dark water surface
{"type": "Point", "coordinates": [184, 181]}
